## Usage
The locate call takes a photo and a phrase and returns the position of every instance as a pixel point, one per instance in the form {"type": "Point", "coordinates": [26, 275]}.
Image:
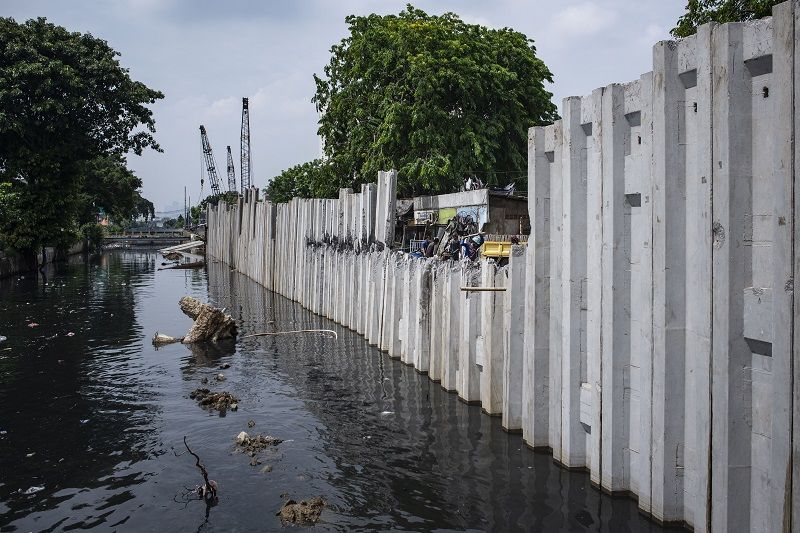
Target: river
{"type": "Point", "coordinates": [92, 420]}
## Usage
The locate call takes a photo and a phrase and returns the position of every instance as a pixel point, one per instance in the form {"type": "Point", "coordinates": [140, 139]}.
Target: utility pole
{"type": "Point", "coordinates": [185, 217]}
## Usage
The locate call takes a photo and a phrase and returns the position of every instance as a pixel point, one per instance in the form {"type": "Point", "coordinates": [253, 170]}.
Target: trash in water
{"type": "Point", "coordinates": [384, 413]}
{"type": "Point", "coordinates": [84, 421]}
{"type": "Point", "coordinates": [30, 454]}
{"type": "Point", "coordinates": [215, 400]}
{"type": "Point", "coordinates": [225, 365]}
{"type": "Point", "coordinates": [247, 444]}
{"type": "Point", "coordinates": [32, 325]}
{"type": "Point", "coordinates": [161, 339]}
{"type": "Point", "coordinates": [210, 323]}
{"type": "Point", "coordinates": [2, 338]}
{"type": "Point", "coordinates": [251, 423]}
{"type": "Point", "coordinates": [70, 334]}
{"type": "Point", "coordinates": [33, 490]}
{"type": "Point", "coordinates": [304, 512]}
{"type": "Point", "coordinates": [220, 377]}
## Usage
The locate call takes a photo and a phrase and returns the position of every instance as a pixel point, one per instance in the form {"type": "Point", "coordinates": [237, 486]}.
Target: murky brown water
{"type": "Point", "coordinates": [89, 421]}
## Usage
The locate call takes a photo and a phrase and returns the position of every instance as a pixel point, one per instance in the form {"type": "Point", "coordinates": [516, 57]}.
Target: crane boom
{"type": "Point", "coordinates": [231, 172]}
{"type": "Point", "coordinates": [211, 165]}
{"type": "Point", "coordinates": [246, 162]}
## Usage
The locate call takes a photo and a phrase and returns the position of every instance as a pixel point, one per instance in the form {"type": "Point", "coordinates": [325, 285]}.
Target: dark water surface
{"type": "Point", "coordinates": [88, 422]}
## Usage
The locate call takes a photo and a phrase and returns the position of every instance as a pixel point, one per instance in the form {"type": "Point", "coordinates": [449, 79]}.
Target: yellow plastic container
{"type": "Point", "coordinates": [497, 249]}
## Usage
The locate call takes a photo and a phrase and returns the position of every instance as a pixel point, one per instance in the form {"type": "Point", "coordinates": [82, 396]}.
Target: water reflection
{"type": "Point", "coordinates": [407, 454]}
{"type": "Point", "coordinates": [102, 412]}
{"type": "Point", "coordinates": [66, 383]}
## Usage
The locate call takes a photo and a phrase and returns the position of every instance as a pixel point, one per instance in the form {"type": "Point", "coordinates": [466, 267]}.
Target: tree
{"type": "Point", "coordinates": [68, 111]}
{"type": "Point", "coordinates": [699, 12]}
{"type": "Point", "coordinates": [308, 180]}
{"type": "Point", "coordinates": [106, 183]}
{"type": "Point", "coordinates": [432, 96]}
{"type": "Point", "coordinates": [144, 208]}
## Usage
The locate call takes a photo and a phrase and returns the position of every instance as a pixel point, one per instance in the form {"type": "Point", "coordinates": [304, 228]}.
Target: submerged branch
{"type": "Point", "coordinates": [335, 336]}
{"type": "Point", "coordinates": [209, 490]}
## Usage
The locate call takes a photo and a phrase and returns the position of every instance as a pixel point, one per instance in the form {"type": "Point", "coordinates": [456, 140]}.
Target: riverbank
{"type": "Point", "coordinates": [12, 265]}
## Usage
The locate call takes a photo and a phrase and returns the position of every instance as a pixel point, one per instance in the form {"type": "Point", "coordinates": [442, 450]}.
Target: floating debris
{"type": "Point", "coordinates": [33, 490]}
{"type": "Point", "coordinates": [159, 339]}
{"type": "Point", "coordinates": [33, 325]}
{"type": "Point", "coordinates": [3, 339]}
{"type": "Point", "coordinates": [210, 323]}
{"type": "Point", "coordinates": [70, 334]}
{"type": "Point", "coordinates": [220, 377]}
{"type": "Point", "coordinates": [224, 366]}
{"type": "Point", "coordinates": [193, 264]}
{"type": "Point", "coordinates": [254, 444]}
{"type": "Point", "coordinates": [304, 512]}
{"type": "Point", "coordinates": [221, 401]}
{"type": "Point", "coordinates": [251, 423]}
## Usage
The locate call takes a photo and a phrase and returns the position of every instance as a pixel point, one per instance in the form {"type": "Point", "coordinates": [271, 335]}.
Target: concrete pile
{"type": "Point", "coordinates": [646, 333]}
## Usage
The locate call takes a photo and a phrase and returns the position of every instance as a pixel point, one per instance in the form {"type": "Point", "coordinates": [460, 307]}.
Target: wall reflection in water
{"type": "Point", "coordinates": [408, 455]}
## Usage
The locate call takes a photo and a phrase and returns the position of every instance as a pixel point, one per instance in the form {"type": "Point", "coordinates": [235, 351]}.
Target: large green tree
{"type": "Point", "coordinates": [68, 112]}
{"type": "Point", "coordinates": [107, 184]}
{"type": "Point", "coordinates": [699, 12]}
{"type": "Point", "coordinates": [432, 96]}
{"type": "Point", "coordinates": [315, 179]}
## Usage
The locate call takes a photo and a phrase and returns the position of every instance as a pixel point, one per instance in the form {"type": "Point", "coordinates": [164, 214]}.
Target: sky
{"type": "Point", "coordinates": [205, 55]}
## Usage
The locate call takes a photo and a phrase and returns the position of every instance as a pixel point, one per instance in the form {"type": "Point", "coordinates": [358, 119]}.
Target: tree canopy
{"type": "Point", "coordinates": [432, 96]}
{"type": "Point", "coordinates": [699, 12]}
{"type": "Point", "coordinates": [68, 114]}
{"type": "Point", "coordinates": [315, 179]}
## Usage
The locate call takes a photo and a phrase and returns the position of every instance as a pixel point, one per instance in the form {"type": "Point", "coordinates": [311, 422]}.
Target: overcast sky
{"type": "Point", "coordinates": [205, 55]}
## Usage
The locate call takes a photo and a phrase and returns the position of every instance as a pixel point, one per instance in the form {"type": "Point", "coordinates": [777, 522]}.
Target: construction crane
{"type": "Point", "coordinates": [246, 162]}
{"type": "Point", "coordinates": [231, 172]}
{"type": "Point", "coordinates": [211, 165]}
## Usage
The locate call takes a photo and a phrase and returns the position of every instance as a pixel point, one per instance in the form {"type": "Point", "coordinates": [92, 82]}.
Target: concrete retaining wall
{"type": "Point", "coordinates": [11, 265]}
{"type": "Point", "coordinates": [646, 334]}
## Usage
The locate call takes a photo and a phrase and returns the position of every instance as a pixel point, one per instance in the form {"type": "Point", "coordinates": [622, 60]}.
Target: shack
{"type": "Point", "coordinates": [493, 212]}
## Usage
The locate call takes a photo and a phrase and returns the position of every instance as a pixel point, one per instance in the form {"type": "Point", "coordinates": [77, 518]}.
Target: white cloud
{"type": "Point", "coordinates": [480, 21]}
{"type": "Point", "coordinates": [222, 107]}
{"type": "Point", "coordinates": [652, 34]}
{"type": "Point", "coordinates": [581, 20]}
{"type": "Point", "coordinates": [142, 7]}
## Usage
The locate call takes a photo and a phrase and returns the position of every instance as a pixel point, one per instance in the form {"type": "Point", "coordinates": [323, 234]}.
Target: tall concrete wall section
{"type": "Point", "coordinates": [645, 334]}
